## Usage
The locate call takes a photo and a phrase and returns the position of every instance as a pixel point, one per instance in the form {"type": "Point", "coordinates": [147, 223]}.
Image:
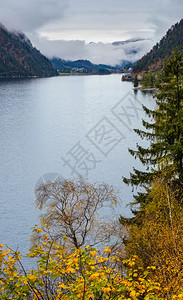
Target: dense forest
{"type": "Point", "coordinates": [154, 60]}
{"type": "Point", "coordinates": [18, 58]}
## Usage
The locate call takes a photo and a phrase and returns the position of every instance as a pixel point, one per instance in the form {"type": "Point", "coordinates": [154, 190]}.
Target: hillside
{"type": "Point", "coordinates": [155, 59]}
{"type": "Point", "coordinates": [18, 58]}
{"type": "Point", "coordinates": [82, 64]}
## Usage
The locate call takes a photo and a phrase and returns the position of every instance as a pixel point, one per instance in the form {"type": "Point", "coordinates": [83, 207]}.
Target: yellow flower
{"type": "Point", "coordinates": [92, 253]}
{"type": "Point", "coordinates": [107, 249]}
{"type": "Point", "coordinates": [132, 293]}
{"type": "Point", "coordinates": [63, 286]}
{"type": "Point", "coordinates": [101, 259]}
{"type": "Point", "coordinates": [70, 270]}
{"type": "Point", "coordinates": [31, 277]}
{"type": "Point", "coordinates": [94, 276]}
{"type": "Point", "coordinates": [106, 289]}
{"type": "Point", "coordinates": [75, 260]}
{"type": "Point", "coordinates": [79, 295]}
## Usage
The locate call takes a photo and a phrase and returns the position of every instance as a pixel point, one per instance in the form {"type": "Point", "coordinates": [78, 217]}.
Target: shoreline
{"type": "Point", "coordinates": [145, 89]}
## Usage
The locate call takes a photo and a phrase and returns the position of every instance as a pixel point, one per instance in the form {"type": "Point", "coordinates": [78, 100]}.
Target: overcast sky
{"type": "Point", "coordinates": [83, 21]}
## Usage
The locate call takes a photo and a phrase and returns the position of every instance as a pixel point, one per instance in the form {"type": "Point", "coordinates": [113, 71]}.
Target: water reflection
{"type": "Point", "coordinates": [40, 121]}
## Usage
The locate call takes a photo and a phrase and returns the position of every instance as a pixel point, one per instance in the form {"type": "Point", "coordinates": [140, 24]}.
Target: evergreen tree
{"type": "Point", "coordinates": [165, 133]}
{"type": "Point", "coordinates": [148, 80]}
{"type": "Point", "coordinates": [154, 59]}
{"type": "Point", "coordinates": [136, 83]}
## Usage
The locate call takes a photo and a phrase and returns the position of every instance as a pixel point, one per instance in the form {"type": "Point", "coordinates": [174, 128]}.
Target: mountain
{"type": "Point", "coordinates": [86, 65]}
{"type": "Point", "coordinates": [107, 53]}
{"type": "Point", "coordinates": [18, 58]}
{"type": "Point", "coordinates": [155, 59]}
{"type": "Point", "coordinates": [134, 40]}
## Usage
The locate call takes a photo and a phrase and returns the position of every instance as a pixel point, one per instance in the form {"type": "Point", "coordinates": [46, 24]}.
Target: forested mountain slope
{"type": "Point", "coordinates": [18, 58]}
{"type": "Point", "coordinates": [155, 59]}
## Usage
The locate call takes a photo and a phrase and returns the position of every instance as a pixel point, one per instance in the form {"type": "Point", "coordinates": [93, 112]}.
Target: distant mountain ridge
{"type": "Point", "coordinates": [155, 59]}
{"type": "Point", "coordinates": [18, 58]}
{"type": "Point", "coordinates": [85, 64]}
{"type": "Point", "coordinates": [134, 40]}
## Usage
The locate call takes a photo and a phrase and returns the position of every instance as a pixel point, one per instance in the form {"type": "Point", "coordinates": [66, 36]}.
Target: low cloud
{"type": "Point", "coordinates": [113, 54]}
{"type": "Point", "coordinates": [62, 27]}
{"type": "Point", "coordinates": [68, 50]}
{"type": "Point", "coordinates": [98, 53]}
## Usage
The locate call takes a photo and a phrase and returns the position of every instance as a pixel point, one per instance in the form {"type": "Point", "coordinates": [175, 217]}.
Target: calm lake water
{"type": "Point", "coordinates": [63, 125]}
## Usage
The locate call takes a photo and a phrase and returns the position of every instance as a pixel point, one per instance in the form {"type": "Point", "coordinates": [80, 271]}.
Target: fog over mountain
{"type": "Point", "coordinates": [65, 28]}
{"type": "Point", "coordinates": [98, 53]}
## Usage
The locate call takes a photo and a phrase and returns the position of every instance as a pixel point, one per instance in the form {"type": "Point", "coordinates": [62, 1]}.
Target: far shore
{"type": "Point", "coordinates": [145, 89]}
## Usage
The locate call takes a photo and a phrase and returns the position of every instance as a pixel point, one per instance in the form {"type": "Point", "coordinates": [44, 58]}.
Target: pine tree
{"type": "Point", "coordinates": [165, 133]}
{"type": "Point", "coordinates": [136, 83]}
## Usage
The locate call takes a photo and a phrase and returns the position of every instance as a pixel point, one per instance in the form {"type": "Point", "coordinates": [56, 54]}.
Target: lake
{"type": "Point", "coordinates": [68, 126]}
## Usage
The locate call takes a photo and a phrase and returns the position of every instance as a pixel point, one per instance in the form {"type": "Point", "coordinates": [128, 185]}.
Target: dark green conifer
{"type": "Point", "coordinates": [136, 83]}
{"type": "Point", "coordinates": [165, 133]}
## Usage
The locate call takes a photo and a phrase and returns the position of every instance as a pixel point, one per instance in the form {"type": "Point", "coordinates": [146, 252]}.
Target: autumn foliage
{"type": "Point", "coordinates": [156, 238]}
{"type": "Point", "coordinates": [140, 258]}
{"type": "Point", "coordinates": [84, 274]}
{"type": "Point", "coordinates": [152, 268]}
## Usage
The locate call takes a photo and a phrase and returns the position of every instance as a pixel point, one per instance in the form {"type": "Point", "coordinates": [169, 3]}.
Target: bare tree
{"type": "Point", "coordinates": [72, 212]}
